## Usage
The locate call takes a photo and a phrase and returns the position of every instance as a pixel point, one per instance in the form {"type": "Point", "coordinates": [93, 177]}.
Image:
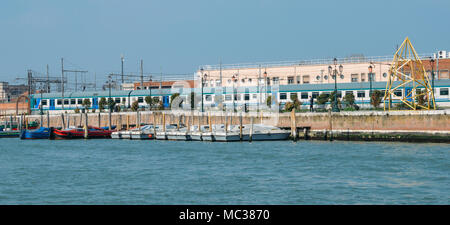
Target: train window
{"type": "Point", "coordinates": [247, 97]}
{"type": "Point", "coordinates": [124, 100]}
{"type": "Point", "coordinates": [140, 99]}
{"type": "Point", "coordinates": [304, 95]}
{"type": "Point", "coordinates": [44, 102]}
{"type": "Point", "coordinates": [237, 97]}
{"type": "Point", "coordinates": [443, 91]}
{"type": "Point", "coordinates": [315, 94]}
{"type": "Point", "coordinates": [283, 96]}
{"type": "Point", "coordinates": [79, 101]}
{"type": "Point", "coordinates": [254, 96]}
{"type": "Point", "coordinates": [117, 100]}
{"type": "Point", "coordinates": [339, 94]}
{"type": "Point", "coordinates": [208, 98]}
{"type": "Point", "coordinates": [398, 93]}
{"type": "Point", "coordinates": [72, 101]}
{"type": "Point", "coordinates": [361, 94]}
{"type": "Point", "coordinates": [293, 96]}
{"type": "Point", "coordinates": [349, 93]}
{"type": "Point", "coordinates": [66, 101]}
{"type": "Point", "coordinates": [59, 102]}
{"type": "Point", "coordinates": [227, 97]}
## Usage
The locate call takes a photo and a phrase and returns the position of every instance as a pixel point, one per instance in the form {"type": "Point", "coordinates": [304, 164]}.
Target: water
{"type": "Point", "coordinates": [167, 172]}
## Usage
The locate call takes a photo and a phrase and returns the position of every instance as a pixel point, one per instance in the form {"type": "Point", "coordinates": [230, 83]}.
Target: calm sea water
{"type": "Point", "coordinates": [168, 172]}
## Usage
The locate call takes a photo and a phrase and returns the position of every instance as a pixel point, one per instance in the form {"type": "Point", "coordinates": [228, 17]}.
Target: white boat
{"type": "Point", "coordinates": [260, 133]}
{"type": "Point", "coordinates": [144, 132]}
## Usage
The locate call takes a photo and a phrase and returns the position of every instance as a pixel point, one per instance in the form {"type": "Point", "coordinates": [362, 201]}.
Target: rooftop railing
{"type": "Point", "coordinates": [328, 61]}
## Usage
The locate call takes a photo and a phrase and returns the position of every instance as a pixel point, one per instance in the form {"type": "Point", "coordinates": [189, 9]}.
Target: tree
{"type": "Point", "coordinates": [135, 106]}
{"type": "Point", "coordinates": [86, 104]}
{"type": "Point", "coordinates": [332, 99]}
{"type": "Point", "coordinates": [322, 99]}
{"type": "Point", "coordinates": [111, 104]}
{"type": "Point", "coordinates": [149, 101]}
{"type": "Point", "coordinates": [349, 100]}
{"type": "Point", "coordinates": [77, 110]}
{"type": "Point", "coordinates": [421, 98]}
{"type": "Point", "coordinates": [269, 101]}
{"type": "Point", "coordinates": [375, 99]}
{"type": "Point", "coordinates": [101, 104]}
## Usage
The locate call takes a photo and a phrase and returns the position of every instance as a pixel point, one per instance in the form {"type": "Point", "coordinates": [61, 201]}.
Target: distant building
{"type": "Point", "coordinates": [355, 70]}
{"type": "Point", "coordinates": [10, 92]}
{"type": "Point", "coordinates": [164, 84]}
{"type": "Point", "coordinates": [128, 86]}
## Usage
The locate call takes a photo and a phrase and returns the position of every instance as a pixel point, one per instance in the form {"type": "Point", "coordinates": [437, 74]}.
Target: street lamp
{"type": "Point", "coordinates": [370, 80]}
{"type": "Point", "coordinates": [334, 74]}
{"type": "Point", "coordinates": [203, 78]}
{"type": "Point", "coordinates": [265, 86]}
{"type": "Point", "coordinates": [150, 89]}
{"type": "Point", "coordinates": [234, 78]}
{"type": "Point", "coordinates": [109, 102]}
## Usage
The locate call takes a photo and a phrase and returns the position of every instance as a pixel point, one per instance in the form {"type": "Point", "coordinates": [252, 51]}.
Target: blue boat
{"type": "Point", "coordinates": [41, 133]}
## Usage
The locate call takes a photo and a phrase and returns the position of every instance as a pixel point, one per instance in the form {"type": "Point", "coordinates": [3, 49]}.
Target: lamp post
{"type": "Point", "coordinates": [334, 74]}
{"type": "Point", "coordinates": [150, 90]}
{"type": "Point", "coordinates": [265, 86]}
{"type": "Point", "coordinates": [203, 78]}
{"type": "Point", "coordinates": [234, 78]}
{"type": "Point", "coordinates": [109, 102]}
{"type": "Point", "coordinates": [370, 81]}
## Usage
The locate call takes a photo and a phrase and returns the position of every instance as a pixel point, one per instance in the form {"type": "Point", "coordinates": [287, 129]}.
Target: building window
{"type": "Point", "coordinates": [325, 77]}
{"type": "Point", "coordinates": [398, 93]}
{"type": "Point", "coordinates": [250, 80]}
{"type": "Point", "coordinates": [443, 91]}
{"type": "Point", "coordinates": [276, 80]}
{"type": "Point", "coordinates": [443, 74]}
{"type": "Point", "coordinates": [363, 77]}
{"type": "Point", "coordinates": [354, 77]}
{"type": "Point", "coordinates": [306, 79]}
{"type": "Point", "coordinates": [384, 74]}
{"type": "Point", "coordinates": [243, 81]}
{"type": "Point", "coordinates": [304, 95]}
{"type": "Point", "coordinates": [290, 80]}
{"type": "Point", "coordinates": [298, 79]}
{"type": "Point", "coordinates": [317, 77]}
{"type": "Point", "coordinates": [229, 81]}
{"type": "Point", "coordinates": [361, 94]}
{"type": "Point", "coordinates": [72, 101]}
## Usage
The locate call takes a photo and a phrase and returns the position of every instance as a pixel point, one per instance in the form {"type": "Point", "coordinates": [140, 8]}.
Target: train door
{"type": "Point", "coordinates": [95, 103]}
{"type": "Point", "coordinates": [408, 93]}
{"type": "Point", "coordinates": [166, 101]}
{"type": "Point", "coordinates": [52, 104]}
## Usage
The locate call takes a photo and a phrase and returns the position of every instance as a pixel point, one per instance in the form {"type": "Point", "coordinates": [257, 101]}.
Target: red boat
{"type": "Point", "coordinates": [74, 133]}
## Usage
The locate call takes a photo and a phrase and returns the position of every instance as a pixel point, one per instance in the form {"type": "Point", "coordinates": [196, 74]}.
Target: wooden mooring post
{"type": "Point", "coordinates": [86, 125]}
{"type": "Point", "coordinates": [251, 130]}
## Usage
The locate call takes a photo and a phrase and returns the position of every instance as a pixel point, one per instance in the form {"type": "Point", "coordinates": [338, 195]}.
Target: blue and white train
{"type": "Point", "coordinates": [249, 97]}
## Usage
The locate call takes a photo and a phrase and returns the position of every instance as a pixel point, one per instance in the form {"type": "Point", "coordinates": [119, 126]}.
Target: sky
{"type": "Point", "coordinates": [177, 37]}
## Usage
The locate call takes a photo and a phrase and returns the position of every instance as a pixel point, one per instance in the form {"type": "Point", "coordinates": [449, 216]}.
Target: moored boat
{"type": "Point", "coordinates": [41, 133]}
{"type": "Point", "coordinates": [76, 133]}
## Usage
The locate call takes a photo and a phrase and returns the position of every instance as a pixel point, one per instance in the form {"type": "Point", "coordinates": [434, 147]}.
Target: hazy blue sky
{"type": "Point", "coordinates": [181, 35]}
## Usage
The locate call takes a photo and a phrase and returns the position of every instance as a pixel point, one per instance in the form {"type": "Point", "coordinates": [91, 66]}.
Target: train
{"type": "Point", "coordinates": [237, 98]}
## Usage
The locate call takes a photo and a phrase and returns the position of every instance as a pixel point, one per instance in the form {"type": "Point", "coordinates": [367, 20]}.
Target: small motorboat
{"type": "Point", "coordinates": [41, 133]}
{"type": "Point", "coordinates": [8, 133]}
{"type": "Point", "coordinates": [75, 133]}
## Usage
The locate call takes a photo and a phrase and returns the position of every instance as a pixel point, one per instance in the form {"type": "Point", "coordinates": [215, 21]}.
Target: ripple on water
{"type": "Point", "coordinates": [165, 172]}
